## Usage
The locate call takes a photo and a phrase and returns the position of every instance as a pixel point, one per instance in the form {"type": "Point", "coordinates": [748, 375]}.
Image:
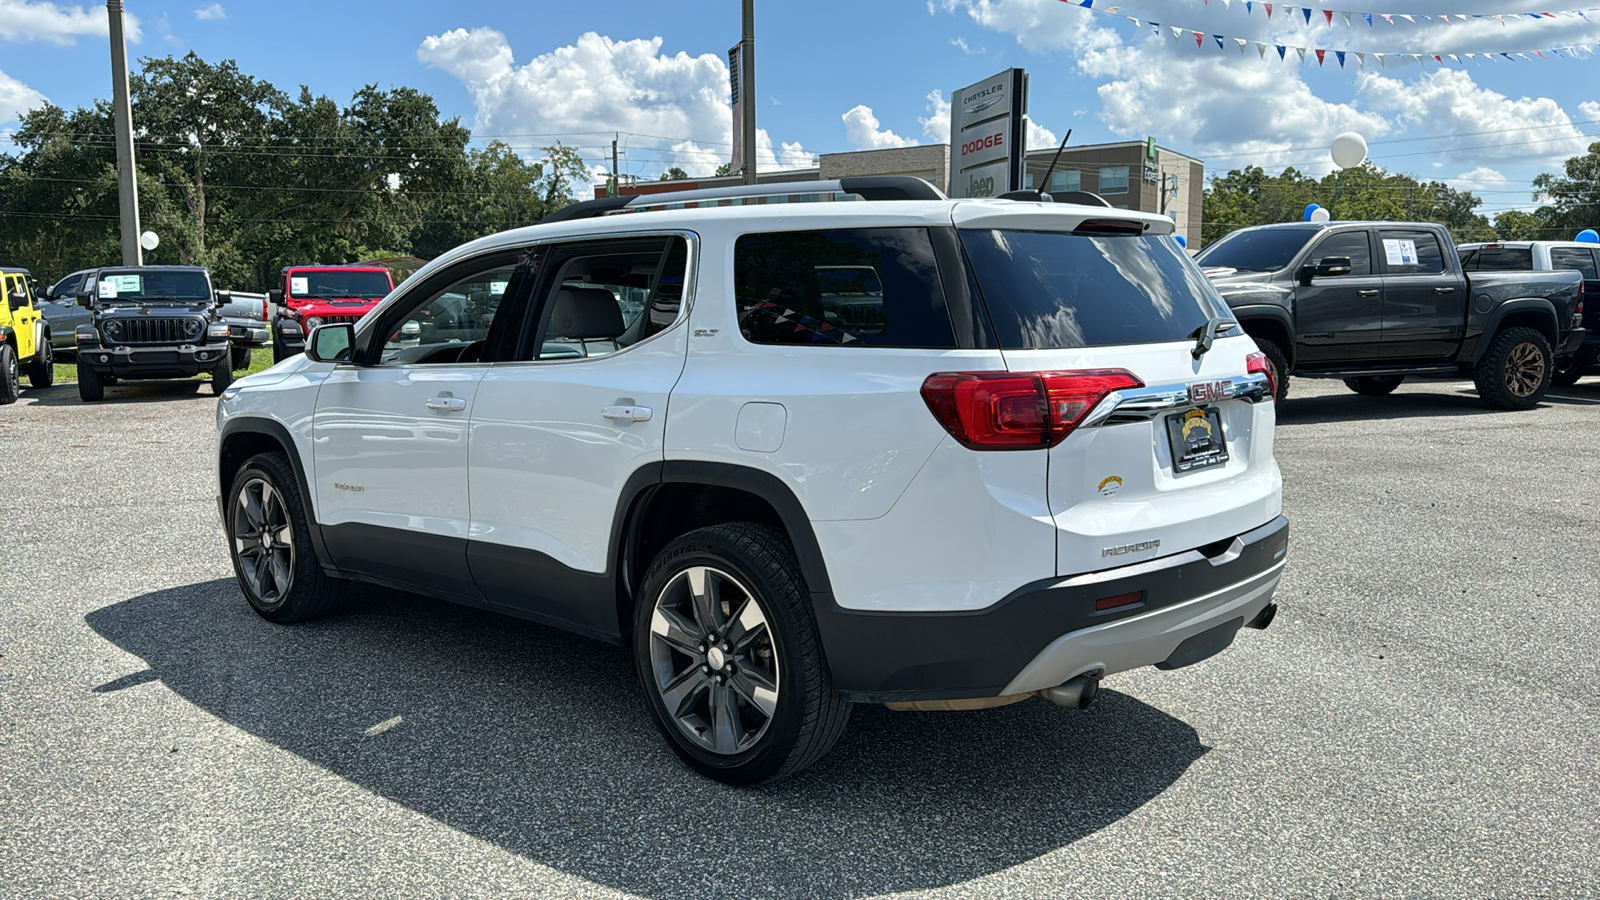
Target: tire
{"type": "Point", "coordinates": [241, 357]}
{"type": "Point", "coordinates": [1279, 364]}
{"type": "Point", "coordinates": [10, 375]}
{"type": "Point", "coordinates": [279, 352]}
{"type": "Point", "coordinates": [1515, 372]}
{"type": "Point", "coordinates": [42, 371]}
{"type": "Point", "coordinates": [1569, 370]}
{"type": "Point", "coordinates": [269, 541]}
{"type": "Point", "coordinates": [1374, 385]}
{"type": "Point", "coordinates": [222, 375]}
{"type": "Point", "coordinates": [772, 677]}
{"type": "Point", "coordinates": [91, 388]}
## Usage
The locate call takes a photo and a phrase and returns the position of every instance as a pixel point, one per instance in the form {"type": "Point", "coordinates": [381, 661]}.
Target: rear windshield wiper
{"type": "Point", "coordinates": [1207, 333]}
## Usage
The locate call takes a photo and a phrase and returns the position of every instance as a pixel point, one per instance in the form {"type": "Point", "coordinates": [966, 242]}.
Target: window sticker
{"type": "Point", "coordinates": [498, 287]}
{"type": "Point", "coordinates": [300, 285]}
{"type": "Point", "coordinates": [124, 284]}
{"type": "Point", "coordinates": [108, 290]}
{"type": "Point", "coordinates": [1400, 252]}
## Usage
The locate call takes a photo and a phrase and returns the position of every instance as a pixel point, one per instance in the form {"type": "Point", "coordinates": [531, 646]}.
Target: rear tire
{"type": "Point", "coordinates": [241, 357]}
{"type": "Point", "coordinates": [90, 388]}
{"type": "Point", "coordinates": [1569, 370]}
{"type": "Point", "coordinates": [1279, 365]}
{"type": "Point", "coordinates": [42, 371]}
{"type": "Point", "coordinates": [758, 703]}
{"type": "Point", "coordinates": [222, 375]}
{"type": "Point", "coordinates": [279, 352]}
{"type": "Point", "coordinates": [1374, 385]}
{"type": "Point", "coordinates": [10, 375]}
{"type": "Point", "coordinates": [1515, 372]}
{"type": "Point", "coordinates": [269, 541]}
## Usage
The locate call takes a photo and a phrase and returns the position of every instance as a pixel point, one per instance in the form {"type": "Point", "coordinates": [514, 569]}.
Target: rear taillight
{"type": "Point", "coordinates": [1018, 410]}
{"type": "Point", "coordinates": [264, 316]}
{"type": "Point", "coordinates": [1257, 362]}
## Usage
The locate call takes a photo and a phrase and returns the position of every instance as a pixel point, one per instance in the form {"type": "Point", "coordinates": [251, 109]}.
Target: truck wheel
{"type": "Point", "coordinates": [1279, 364]}
{"type": "Point", "coordinates": [10, 377]}
{"type": "Point", "coordinates": [90, 388]}
{"type": "Point", "coordinates": [222, 375]}
{"type": "Point", "coordinates": [1515, 372]}
{"type": "Point", "coordinates": [729, 657]}
{"type": "Point", "coordinates": [279, 352]}
{"type": "Point", "coordinates": [1374, 385]}
{"type": "Point", "coordinates": [269, 540]}
{"type": "Point", "coordinates": [42, 372]}
{"type": "Point", "coordinates": [241, 357]}
{"type": "Point", "coordinates": [1569, 370]}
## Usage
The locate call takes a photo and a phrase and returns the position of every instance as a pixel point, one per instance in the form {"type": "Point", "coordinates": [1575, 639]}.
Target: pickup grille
{"type": "Point", "coordinates": [155, 331]}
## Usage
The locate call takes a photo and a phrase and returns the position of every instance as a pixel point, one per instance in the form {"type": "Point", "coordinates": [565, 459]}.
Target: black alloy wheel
{"type": "Point", "coordinates": [729, 657]}
{"type": "Point", "coordinates": [10, 377]}
{"type": "Point", "coordinates": [42, 371]}
{"type": "Point", "coordinates": [269, 540]}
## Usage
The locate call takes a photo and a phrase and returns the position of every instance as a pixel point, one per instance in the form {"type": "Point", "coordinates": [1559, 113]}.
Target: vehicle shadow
{"type": "Point", "coordinates": [539, 742]}
{"type": "Point", "coordinates": [1401, 404]}
{"type": "Point", "coordinates": [122, 392]}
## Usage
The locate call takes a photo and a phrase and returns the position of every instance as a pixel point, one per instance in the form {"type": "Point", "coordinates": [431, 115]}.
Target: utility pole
{"type": "Point", "coordinates": [122, 115]}
{"type": "Point", "coordinates": [616, 173]}
{"type": "Point", "coordinates": [747, 63]}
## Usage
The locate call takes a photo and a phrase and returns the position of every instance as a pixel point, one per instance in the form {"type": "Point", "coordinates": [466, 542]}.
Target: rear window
{"type": "Point", "coordinates": [1498, 259]}
{"type": "Point", "coordinates": [865, 287]}
{"type": "Point", "coordinates": [1579, 258]}
{"type": "Point", "coordinates": [1257, 249]}
{"type": "Point", "coordinates": [1050, 290]}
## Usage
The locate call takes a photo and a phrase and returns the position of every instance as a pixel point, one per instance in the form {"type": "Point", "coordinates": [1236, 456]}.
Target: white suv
{"type": "Point", "coordinates": [795, 455]}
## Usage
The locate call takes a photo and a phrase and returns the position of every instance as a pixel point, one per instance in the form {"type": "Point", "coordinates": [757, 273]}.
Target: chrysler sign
{"type": "Point", "coordinates": [987, 134]}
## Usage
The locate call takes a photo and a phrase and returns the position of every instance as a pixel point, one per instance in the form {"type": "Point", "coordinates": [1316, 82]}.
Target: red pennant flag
{"type": "Point", "coordinates": [1199, 39]}
{"type": "Point", "coordinates": [1269, 9]}
{"type": "Point", "coordinates": [1319, 56]}
{"type": "Point", "coordinates": [1328, 14]}
{"type": "Point", "coordinates": [1437, 59]}
{"type": "Point", "coordinates": [1540, 52]}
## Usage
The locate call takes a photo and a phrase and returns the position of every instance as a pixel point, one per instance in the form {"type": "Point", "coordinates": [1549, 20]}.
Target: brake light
{"type": "Point", "coordinates": [1257, 362]}
{"type": "Point", "coordinates": [264, 316]}
{"type": "Point", "coordinates": [1018, 410]}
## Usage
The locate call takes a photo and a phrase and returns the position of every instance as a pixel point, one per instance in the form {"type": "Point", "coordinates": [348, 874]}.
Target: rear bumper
{"type": "Point", "coordinates": [1048, 632]}
{"type": "Point", "coordinates": [254, 333]}
{"type": "Point", "coordinates": [1575, 340]}
{"type": "Point", "coordinates": [181, 361]}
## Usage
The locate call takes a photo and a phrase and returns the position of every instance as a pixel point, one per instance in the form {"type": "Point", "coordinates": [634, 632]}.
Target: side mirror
{"type": "Point", "coordinates": [85, 300]}
{"type": "Point", "coordinates": [222, 297]}
{"type": "Point", "coordinates": [331, 343]}
{"type": "Point", "coordinates": [275, 297]}
{"type": "Point", "coordinates": [19, 299]}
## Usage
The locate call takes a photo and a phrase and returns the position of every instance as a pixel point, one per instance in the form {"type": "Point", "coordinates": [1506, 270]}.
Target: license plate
{"type": "Point", "coordinates": [1196, 440]}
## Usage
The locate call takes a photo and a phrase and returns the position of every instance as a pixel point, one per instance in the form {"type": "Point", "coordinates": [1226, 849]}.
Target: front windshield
{"type": "Point", "coordinates": [153, 287]}
{"type": "Point", "coordinates": [1256, 249]}
{"type": "Point", "coordinates": [333, 283]}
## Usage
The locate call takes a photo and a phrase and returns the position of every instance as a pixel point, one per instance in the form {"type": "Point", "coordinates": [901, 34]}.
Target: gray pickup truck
{"type": "Point", "coordinates": [1374, 303]}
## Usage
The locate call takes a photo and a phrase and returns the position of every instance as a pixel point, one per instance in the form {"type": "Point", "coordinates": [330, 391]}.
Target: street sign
{"type": "Point", "coordinates": [988, 134]}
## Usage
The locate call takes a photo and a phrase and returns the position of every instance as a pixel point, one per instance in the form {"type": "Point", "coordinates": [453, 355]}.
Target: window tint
{"type": "Point", "coordinates": [606, 297]}
{"type": "Point", "coordinates": [1578, 258]}
{"type": "Point", "coordinates": [133, 286]}
{"type": "Point", "coordinates": [1049, 290]}
{"type": "Point", "coordinates": [1114, 180]}
{"type": "Point", "coordinates": [453, 320]}
{"type": "Point", "coordinates": [1498, 259]}
{"type": "Point", "coordinates": [334, 283]}
{"type": "Point", "coordinates": [1257, 249]}
{"type": "Point", "coordinates": [68, 286]}
{"type": "Point", "coordinates": [1352, 244]}
{"type": "Point", "coordinates": [1410, 252]}
{"type": "Point", "coordinates": [876, 287]}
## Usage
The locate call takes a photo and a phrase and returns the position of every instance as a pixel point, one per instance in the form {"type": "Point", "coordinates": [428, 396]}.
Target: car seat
{"type": "Point", "coordinates": [588, 319]}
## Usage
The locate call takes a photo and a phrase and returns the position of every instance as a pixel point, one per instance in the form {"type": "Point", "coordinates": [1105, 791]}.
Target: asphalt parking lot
{"type": "Point", "coordinates": [1422, 719]}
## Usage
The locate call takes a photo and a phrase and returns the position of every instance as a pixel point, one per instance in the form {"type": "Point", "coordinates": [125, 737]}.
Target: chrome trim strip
{"type": "Point", "coordinates": [1143, 404]}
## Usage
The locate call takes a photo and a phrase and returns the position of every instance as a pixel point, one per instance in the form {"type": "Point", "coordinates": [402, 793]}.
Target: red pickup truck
{"type": "Point", "coordinates": [316, 295]}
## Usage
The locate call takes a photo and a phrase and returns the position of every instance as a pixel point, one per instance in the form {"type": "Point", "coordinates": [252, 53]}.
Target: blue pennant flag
{"type": "Point", "coordinates": [1219, 41]}
{"type": "Point", "coordinates": [1280, 50]}
{"type": "Point", "coordinates": [1368, 17]}
{"type": "Point", "coordinates": [1156, 27]}
{"type": "Point", "coordinates": [1087, 3]}
{"type": "Point", "coordinates": [1340, 54]}
{"type": "Point", "coordinates": [1308, 14]}
{"type": "Point", "coordinates": [1247, 7]}
{"type": "Point", "coordinates": [1508, 57]}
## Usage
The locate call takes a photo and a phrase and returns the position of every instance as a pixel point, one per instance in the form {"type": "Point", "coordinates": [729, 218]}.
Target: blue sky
{"type": "Point", "coordinates": [835, 76]}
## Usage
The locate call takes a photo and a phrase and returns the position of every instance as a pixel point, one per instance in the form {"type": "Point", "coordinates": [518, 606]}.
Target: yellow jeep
{"type": "Point", "coordinates": [24, 337]}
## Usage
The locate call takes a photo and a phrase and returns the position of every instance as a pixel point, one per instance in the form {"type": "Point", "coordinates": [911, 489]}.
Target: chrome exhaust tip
{"type": "Point", "coordinates": [1077, 693]}
{"type": "Point", "coordinates": [1264, 618]}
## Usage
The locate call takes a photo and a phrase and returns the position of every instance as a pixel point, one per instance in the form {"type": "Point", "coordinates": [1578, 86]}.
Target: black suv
{"type": "Point", "coordinates": [150, 322]}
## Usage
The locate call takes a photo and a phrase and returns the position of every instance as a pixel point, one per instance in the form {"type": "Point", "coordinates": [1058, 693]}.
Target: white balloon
{"type": "Point", "coordinates": [149, 240]}
{"type": "Point", "coordinates": [1320, 215]}
{"type": "Point", "coordinates": [1349, 149]}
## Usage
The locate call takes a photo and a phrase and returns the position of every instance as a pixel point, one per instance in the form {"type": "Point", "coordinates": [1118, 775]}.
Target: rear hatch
{"type": "Point", "coordinates": [1184, 462]}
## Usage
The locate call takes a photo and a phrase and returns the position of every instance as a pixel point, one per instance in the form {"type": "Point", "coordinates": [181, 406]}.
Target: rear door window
{"type": "Point", "coordinates": [1053, 290]}
{"type": "Point", "coordinates": [853, 287]}
{"type": "Point", "coordinates": [1410, 252]}
{"type": "Point", "coordinates": [1578, 258]}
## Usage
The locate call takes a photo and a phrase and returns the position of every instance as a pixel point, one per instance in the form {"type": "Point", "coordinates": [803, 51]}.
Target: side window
{"type": "Point", "coordinates": [1579, 258]}
{"type": "Point", "coordinates": [1114, 180]}
{"type": "Point", "coordinates": [67, 287]}
{"type": "Point", "coordinates": [604, 297]}
{"type": "Point", "coordinates": [451, 325]}
{"type": "Point", "coordinates": [1410, 253]}
{"type": "Point", "coordinates": [1352, 244]}
{"type": "Point", "coordinates": [870, 287]}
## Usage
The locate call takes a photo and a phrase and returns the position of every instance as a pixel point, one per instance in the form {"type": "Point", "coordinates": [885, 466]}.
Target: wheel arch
{"type": "Point", "coordinates": [1526, 312]}
{"type": "Point", "coordinates": [245, 436]}
{"type": "Point", "coordinates": [1272, 323]}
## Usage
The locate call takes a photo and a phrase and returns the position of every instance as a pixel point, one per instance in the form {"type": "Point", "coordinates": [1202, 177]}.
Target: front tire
{"type": "Point", "coordinates": [91, 389]}
{"type": "Point", "coordinates": [42, 371]}
{"type": "Point", "coordinates": [222, 375]}
{"type": "Point", "coordinates": [269, 541]}
{"type": "Point", "coordinates": [241, 357]}
{"type": "Point", "coordinates": [1515, 372]}
{"type": "Point", "coordinates": [1374, 385]}
{"type": "Point", "coordinates": [1279, 364]}
{"type": "Point", "coordinates": [728, 653]}
{"type": "Point", "coordinates": [10, 376]}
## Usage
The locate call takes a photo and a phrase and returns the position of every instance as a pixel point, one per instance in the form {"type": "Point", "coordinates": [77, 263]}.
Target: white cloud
{"type": "Point", "coordinates": [672, 110]}
{"type": "Point", "coordinates": [208, 13]}
{"type": "Point", "coordinates": [936, 124]}
{"type": "Point", "coordinates": [15, 97]}
{"type": "Point", "coordinates": [1589, 110]}
{"type": "Point", "coordinates": [1481, 178]}
{"type": "Point", "coordinates": [26, 20]}
{"type": "Point", "coordinates": [861, 128]}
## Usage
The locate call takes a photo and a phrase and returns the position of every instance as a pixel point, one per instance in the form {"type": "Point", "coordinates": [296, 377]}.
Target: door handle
{"type": "Point", "coordinates": [628, 413]}
{"type": "Point", "coordinates": [1370, 293]}
{"type": "Point", "coordinates": [1444, 290]}
{"type": "Point", "coordinates": [447, 404]}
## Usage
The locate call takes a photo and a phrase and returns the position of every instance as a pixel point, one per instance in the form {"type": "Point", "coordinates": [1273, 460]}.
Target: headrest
{"type": "Point", "coordinates": [586, 314]}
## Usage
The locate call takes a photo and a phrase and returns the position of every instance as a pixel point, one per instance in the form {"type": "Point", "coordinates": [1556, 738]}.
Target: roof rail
{"type": "Point", "coordinates": [876, 187]}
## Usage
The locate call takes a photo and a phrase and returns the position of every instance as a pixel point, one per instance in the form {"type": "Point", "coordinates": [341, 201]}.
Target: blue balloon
{"type": "Point", "coordinates": [1311, 209]}
{"type": "Point", "coordinates": [1588, 236]}
{"type": "Point", "coordinates": [1181, 241]}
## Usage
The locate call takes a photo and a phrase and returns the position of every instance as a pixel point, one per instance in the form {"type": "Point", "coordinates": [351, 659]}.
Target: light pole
{"type": "Point", "coordinates": [122, 118]}
{"type": "Point", "coordinates": [747, 89]}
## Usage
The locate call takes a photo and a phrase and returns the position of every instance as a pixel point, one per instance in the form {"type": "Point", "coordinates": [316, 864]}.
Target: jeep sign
{"type": "Point", "coordinates": [987, 135]}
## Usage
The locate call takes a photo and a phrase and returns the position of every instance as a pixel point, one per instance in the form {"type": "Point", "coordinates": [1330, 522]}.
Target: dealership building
{"type": "Point", "coordinates": [1136, 175]}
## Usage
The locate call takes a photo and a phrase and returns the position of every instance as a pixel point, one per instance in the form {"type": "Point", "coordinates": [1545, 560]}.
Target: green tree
{"type": "Point", "coordinates": [673, 173]}
{"type": "Point", "coordinates": [1572, 200]}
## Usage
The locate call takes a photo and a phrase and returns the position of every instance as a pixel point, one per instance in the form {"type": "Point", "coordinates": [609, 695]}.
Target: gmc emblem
{"type": "Point", "coordinates": [1207, 391]}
